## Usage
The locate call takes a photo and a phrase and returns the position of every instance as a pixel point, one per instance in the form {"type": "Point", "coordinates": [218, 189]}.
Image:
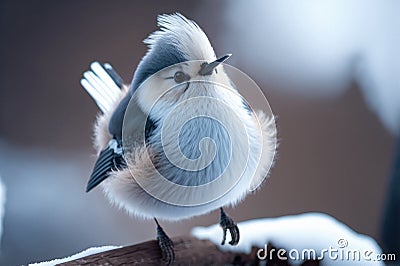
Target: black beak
{"type": "Point", "coordinates": [207, 68]}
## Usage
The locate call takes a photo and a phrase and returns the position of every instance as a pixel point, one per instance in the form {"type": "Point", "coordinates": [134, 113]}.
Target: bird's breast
{"type": "Point", "coordinates": [197, 146]}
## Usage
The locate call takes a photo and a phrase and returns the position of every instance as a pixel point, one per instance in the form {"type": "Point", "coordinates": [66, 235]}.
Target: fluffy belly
{"type": "Point", "coordinates": [123, 189]}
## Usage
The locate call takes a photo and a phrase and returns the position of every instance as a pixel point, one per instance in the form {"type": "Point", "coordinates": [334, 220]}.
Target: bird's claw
{"type": "Point", "coordinates": [166, 245]}
{"type": "Point", "coordinates": [227, 223]}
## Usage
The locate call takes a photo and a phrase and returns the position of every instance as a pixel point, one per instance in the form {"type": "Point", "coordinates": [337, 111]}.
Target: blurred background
{"type": "Point", "coordinates": [330, 70]}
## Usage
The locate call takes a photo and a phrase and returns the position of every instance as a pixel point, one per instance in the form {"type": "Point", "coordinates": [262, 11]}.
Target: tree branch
{"type": "Point", "coordinates": [188, 251]}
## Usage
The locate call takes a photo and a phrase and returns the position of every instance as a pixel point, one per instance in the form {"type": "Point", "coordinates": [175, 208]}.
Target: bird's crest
{"type": "Point", "coordinates": [183, 34]}
{"type": "Point", "coordinates": [178, 39]}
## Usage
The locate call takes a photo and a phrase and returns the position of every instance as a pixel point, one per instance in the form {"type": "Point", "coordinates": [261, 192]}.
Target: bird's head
{"type": "Point", "coordinates": [179, 64]}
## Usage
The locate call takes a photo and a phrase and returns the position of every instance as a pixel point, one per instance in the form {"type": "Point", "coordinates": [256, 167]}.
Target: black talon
{"type": "Point", "coordinates": [166, 245]}
{"type": "Point", "coordinates": [227, 223]}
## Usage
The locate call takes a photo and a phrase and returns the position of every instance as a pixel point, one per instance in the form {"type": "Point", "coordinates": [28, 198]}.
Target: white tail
{"type": "Point", "coordinates": [103, 84]}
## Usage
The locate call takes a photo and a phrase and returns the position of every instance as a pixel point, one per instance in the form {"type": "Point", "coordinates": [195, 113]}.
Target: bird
{"type": "Point", "coordinates": [179, 140]}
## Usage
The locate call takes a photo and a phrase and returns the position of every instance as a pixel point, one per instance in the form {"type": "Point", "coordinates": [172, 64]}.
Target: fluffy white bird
{"type": "Point", "coordinates": [180, 140]}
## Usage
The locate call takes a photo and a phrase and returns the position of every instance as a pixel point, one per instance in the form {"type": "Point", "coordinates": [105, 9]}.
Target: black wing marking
{"type": "Point", "coordinates": [110, 159]}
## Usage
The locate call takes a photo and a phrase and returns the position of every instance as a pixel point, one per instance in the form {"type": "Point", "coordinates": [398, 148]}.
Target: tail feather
{"type": "Point", "coordinates": [103, 84]}
{"type": "Point", "coordinates": [113, 74]}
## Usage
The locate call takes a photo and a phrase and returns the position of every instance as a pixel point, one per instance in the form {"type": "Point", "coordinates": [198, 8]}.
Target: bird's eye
{"type": "Point", "coordinates": [180, 77]}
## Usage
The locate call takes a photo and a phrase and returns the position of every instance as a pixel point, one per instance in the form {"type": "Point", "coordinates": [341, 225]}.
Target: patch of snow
{"type": "Point", "coordinates": [87, 252]}
{"type": "Point", "coordinates": [316, 231]}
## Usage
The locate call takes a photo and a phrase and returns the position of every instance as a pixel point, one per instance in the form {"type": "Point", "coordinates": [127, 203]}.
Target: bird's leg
{"type": "Point", "coordinates": [166, 245]}
{"type": "Point", "coordinates": [226, 223]}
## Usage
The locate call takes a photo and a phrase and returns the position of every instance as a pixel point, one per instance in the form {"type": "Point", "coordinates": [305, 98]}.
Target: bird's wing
{"type": "Point", "coordinates": [138, 129]}
{"type": "Point", "coordinates": [103, 84]}
{"type": "Point", "coordinates": [110, 159]}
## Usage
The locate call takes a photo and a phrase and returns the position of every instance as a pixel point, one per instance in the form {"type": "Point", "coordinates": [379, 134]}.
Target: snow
{"type": "Point", "coordinates": [87, 252]}
{"type": "Point", "coordinates": [315, 231]}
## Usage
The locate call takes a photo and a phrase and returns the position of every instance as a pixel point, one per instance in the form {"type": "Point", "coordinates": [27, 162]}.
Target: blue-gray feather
{"type": "Point", "coordinates": [162, 54]}
{"type": "Point", "coordinates": [190, 136]}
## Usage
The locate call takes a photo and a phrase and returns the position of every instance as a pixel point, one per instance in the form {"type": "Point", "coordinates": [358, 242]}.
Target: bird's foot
{"type": "Point", "coordinates": [166, 245]}
{"type": "Point", "coordinates": [226, 223]}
